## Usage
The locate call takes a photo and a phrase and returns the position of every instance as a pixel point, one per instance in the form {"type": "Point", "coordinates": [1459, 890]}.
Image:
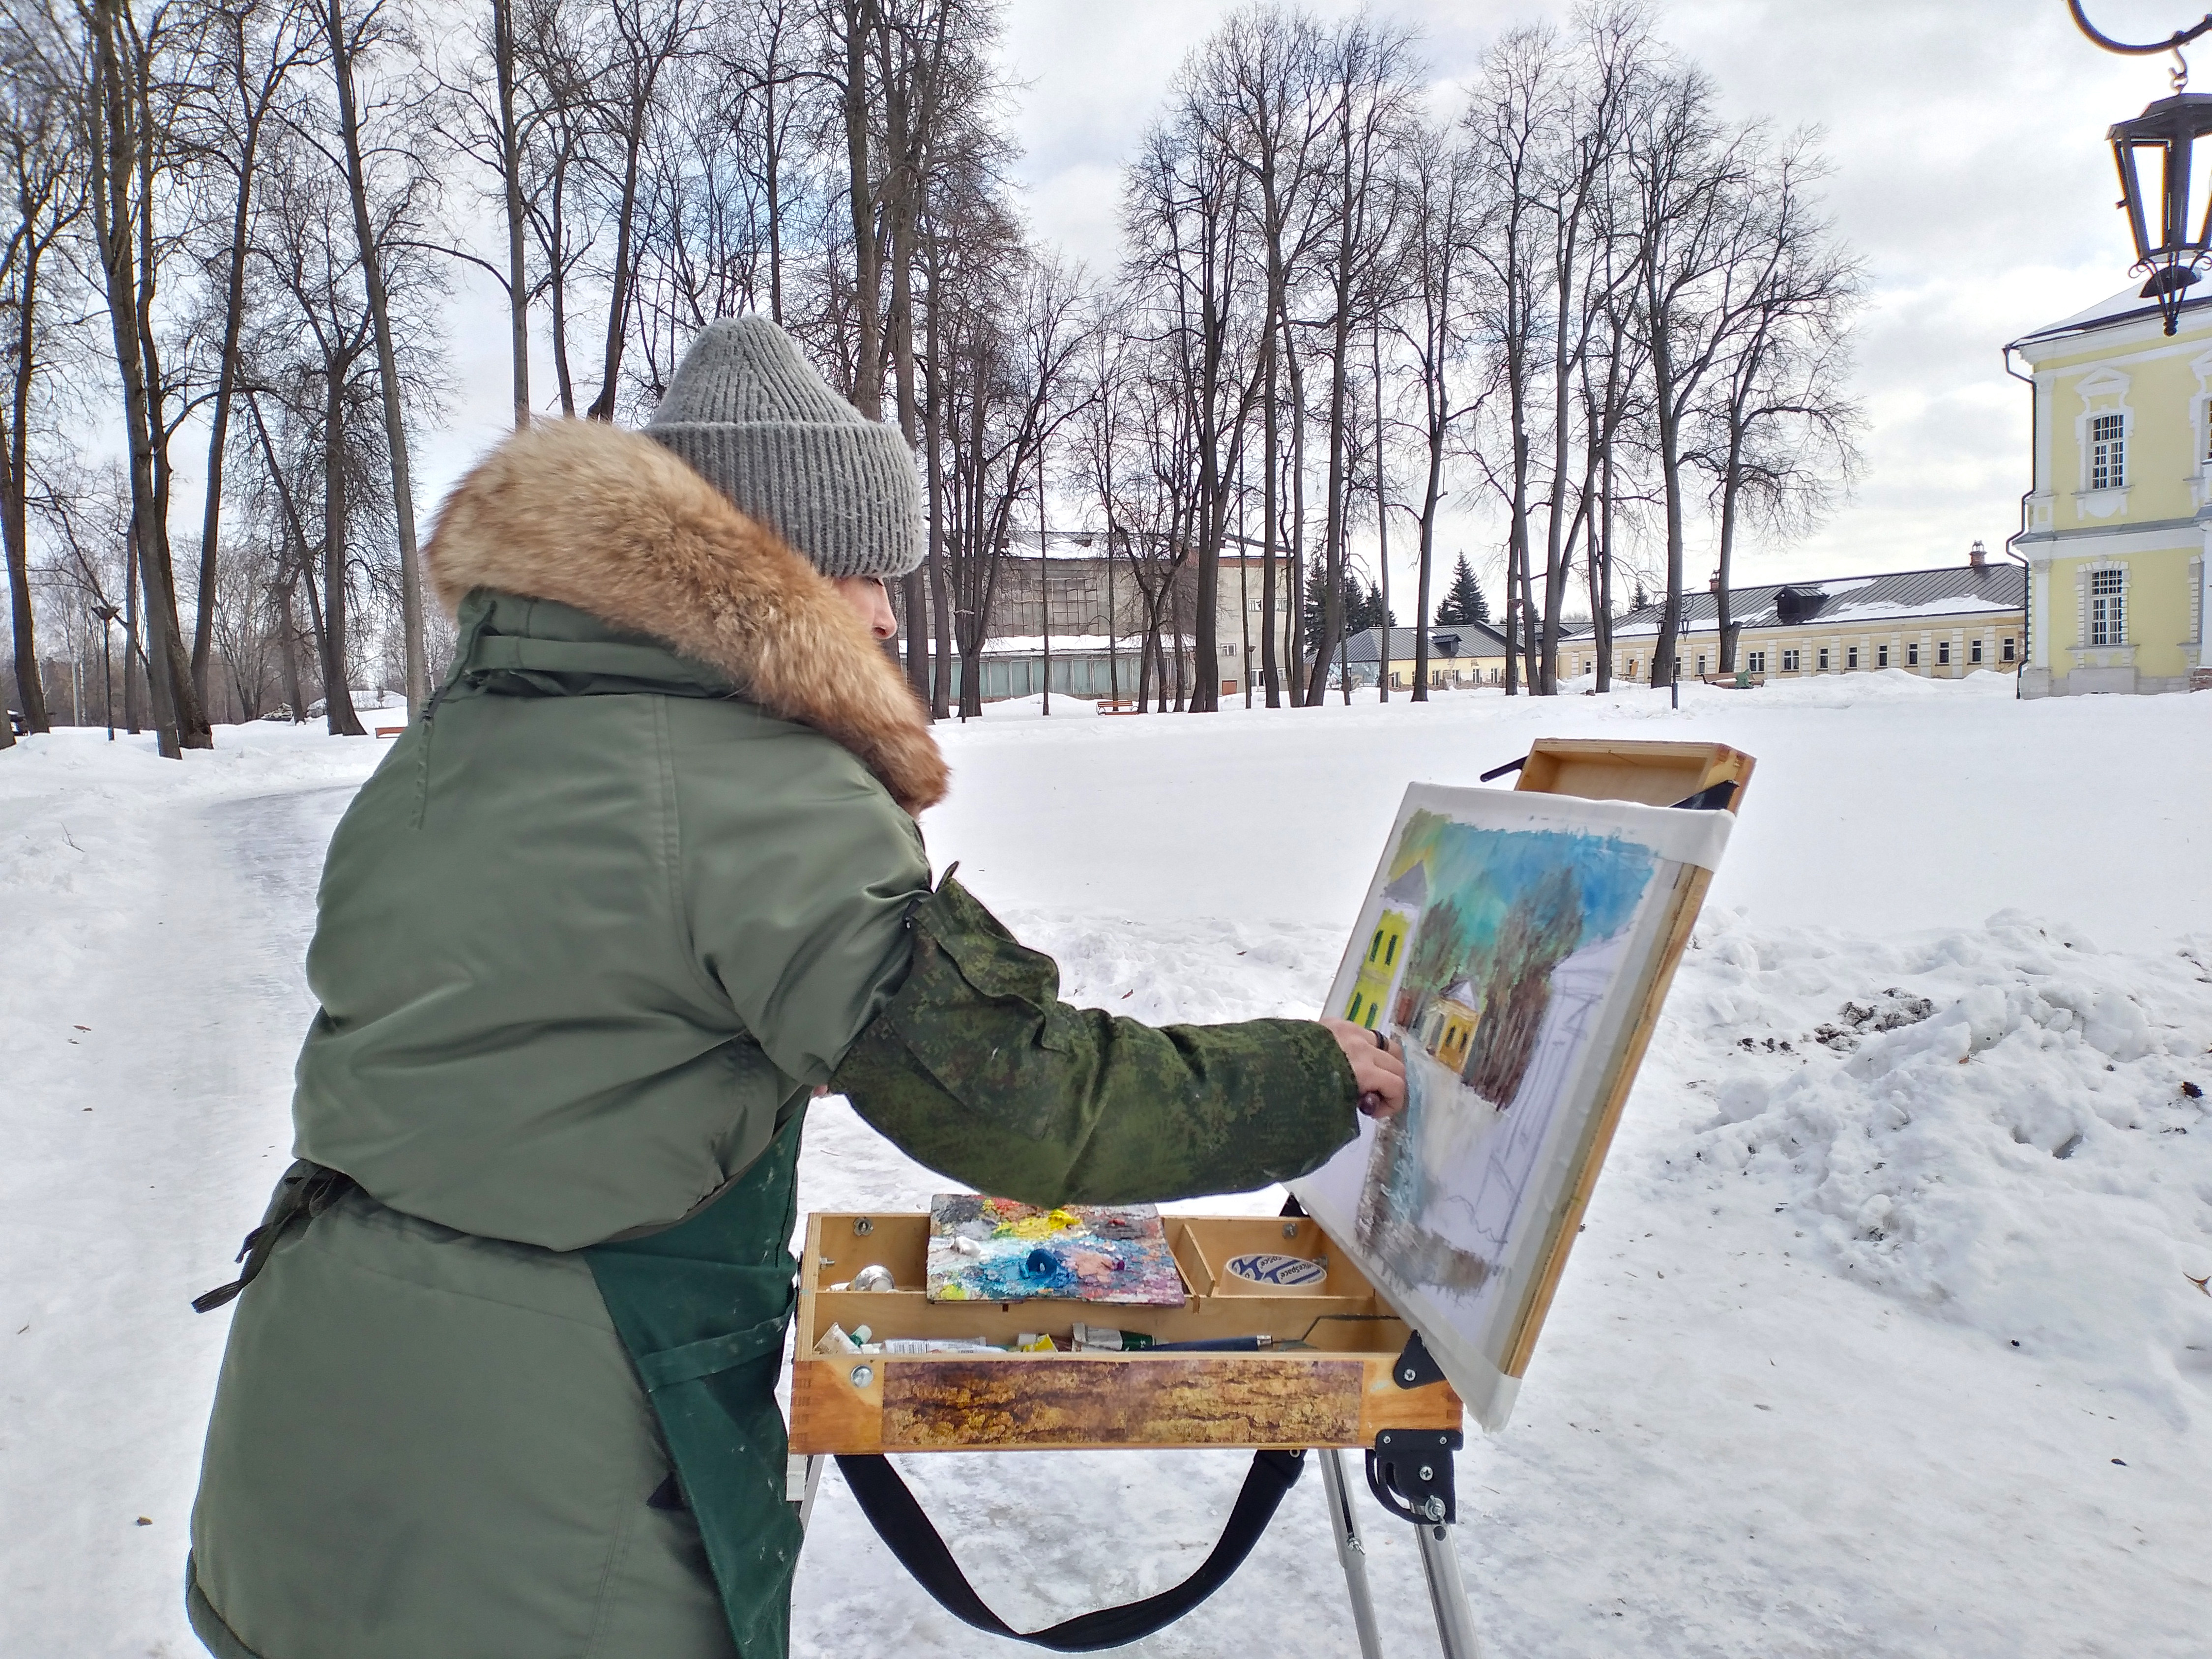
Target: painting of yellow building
{"type": "Point", "coordinates": [1452, 1020]}
{"type": "Point", "coordinates": [1385, 959]}
{"type": "Point", "coordinates": [2117, 523]}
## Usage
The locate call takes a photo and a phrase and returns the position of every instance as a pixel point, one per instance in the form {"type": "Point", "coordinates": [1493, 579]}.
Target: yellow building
{"type": "Point", "coordinates": [1379, 969]}
{"type": "Point", "coordinates": [2118, 525]}
{"type": "Point", "coordinates": [1461, 654]}
{"type": "Point", "coordinates": [1448, 1025]}
{"type": "Point", "coordinates": [1944, 623]}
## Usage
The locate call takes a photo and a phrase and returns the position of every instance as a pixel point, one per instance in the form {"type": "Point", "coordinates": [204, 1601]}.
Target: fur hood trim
{"type": "Point", "coordinates": [584, 515]}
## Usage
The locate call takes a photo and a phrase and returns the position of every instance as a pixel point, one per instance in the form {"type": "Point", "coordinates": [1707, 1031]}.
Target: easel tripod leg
{"type": "Point", "coordinates": [802, 1479]}
{"type": "Point", "coordinates": [1447, 1592]}
{"type": "Point", "coordinates": [1351, 1553]}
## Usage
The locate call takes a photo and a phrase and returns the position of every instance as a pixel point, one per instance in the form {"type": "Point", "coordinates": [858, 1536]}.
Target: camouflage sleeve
{"type": "Point", "coordinates": [976, 1068]}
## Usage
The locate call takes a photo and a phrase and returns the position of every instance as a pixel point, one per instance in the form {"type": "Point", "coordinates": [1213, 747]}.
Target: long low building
{"type": "Point", "coordinates": [1945, 623]}
{"type": "Point", "coordinates": [1460, 654]}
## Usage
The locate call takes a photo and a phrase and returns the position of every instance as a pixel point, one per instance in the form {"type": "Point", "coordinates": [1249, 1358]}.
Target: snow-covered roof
{"type": "Point", "coordinates": [2125, 307]}
{"type": "Point", "coordinates": [1900, 595]}
{"type": "Point", "coordinates": [1446, 641]}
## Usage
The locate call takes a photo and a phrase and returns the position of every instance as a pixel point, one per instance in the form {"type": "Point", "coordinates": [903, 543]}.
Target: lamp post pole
{"type": "Point", "coordinates": [108, 614]}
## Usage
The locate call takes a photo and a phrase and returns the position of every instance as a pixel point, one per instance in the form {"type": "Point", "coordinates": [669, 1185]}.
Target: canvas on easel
{"type": "Point", "coordinates": [1517, 944]}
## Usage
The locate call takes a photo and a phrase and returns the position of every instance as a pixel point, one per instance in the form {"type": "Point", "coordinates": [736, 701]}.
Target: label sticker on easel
{"type": "Point", "coordinates": [1284, 1271]}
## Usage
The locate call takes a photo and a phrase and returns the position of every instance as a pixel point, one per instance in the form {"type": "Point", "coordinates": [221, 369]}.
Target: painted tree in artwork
{"type": "Point", "coordinates": [1539, 932]}
{"type": "Point", "coordinates": [1464, 601]}
{"type": "Point", "coordinates": [1439, 953]}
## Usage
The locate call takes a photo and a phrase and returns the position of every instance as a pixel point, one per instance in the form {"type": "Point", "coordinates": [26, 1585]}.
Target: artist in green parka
{"type": "Point", "coordinates": [644, 877]}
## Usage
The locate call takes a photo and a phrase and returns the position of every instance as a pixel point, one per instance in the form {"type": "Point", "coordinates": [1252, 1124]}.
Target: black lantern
{"type": "Point", "coordinates": [2173, 224]}
{"type": "Point", "coordinates": [2164, 248]}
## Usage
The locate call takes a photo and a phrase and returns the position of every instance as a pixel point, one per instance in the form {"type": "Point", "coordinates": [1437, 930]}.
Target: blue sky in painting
{"type": "Point", "coordinates": [1486, 870]}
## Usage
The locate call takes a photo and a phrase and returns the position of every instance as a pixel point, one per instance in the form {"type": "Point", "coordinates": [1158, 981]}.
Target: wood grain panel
{"type": "Point", "coordinates": [939, 1404]}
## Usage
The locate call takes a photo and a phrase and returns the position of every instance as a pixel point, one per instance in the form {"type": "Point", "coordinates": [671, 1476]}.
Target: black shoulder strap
{"type": "Point", "coordinates": [898, 1520]}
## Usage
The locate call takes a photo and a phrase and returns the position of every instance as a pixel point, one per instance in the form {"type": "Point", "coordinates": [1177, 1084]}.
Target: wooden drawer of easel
{"type": "Point", "coordinates": [1326, 1380]}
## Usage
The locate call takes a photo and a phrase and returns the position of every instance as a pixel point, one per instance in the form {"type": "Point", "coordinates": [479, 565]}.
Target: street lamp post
{"type": "Point", "coordinates": [2172, 233]}
{"type": "Point", "coordinates": [108, 614]}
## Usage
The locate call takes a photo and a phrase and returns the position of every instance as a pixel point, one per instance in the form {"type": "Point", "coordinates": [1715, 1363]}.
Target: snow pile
{"type": "Point", "coordinates": [2018, 1152]}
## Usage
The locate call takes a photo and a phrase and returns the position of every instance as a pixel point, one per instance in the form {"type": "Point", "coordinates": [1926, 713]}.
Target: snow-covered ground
{"type": "Point", "coordinates": [1880, 1341]}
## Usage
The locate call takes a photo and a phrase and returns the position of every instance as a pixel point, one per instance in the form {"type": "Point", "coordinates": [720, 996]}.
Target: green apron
{"type": "Point", "coordinates": [703, 1308]}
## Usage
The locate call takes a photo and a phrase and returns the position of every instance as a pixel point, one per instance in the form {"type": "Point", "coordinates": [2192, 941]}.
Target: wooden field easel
{"type": "Point", "coordinates": [1335, 1367]}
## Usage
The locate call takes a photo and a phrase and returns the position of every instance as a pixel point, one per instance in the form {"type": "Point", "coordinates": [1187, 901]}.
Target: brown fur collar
{"type": "Point", "coordinates": [611, 523]}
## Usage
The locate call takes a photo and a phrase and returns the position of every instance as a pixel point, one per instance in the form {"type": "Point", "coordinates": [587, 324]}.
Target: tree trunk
{"type": "Point", "coordinates": [867, 368]}
{"type": "Point", "coordinates": [233, 321]}
{"type": "Point", "coordinates": [337, 674]}
{"type": "Point", "coordinates": [1669, 412]}
{"type": "Point", "coordinates": [510, 166]}
{"type": "Point", "coordinates": [387, 370]}
{"type": "Point", "coordinates": [1270, 663]}
{"type": "Point", "coordinates": [122, 164]}
{"type": "Point", "coordinates": [1296, 610]}
{"type": "Point", "coordinates": [14, 460]}
{"type": "Point", "coordinates": [1382, 522]}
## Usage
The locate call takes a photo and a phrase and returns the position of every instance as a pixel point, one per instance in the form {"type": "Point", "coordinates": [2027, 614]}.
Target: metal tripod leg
{"type": "Point", "coordinates": [1351, 1553]}
{"type": "Point", "coordinates": [802, 1479]}
{"type": "Point", "coordinates": [1447, 1592]}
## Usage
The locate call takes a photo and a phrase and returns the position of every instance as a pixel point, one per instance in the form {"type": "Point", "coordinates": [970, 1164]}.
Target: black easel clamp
{"type": "Point", "coordinates": [1415, 1367]}
{"type": "Point", "coordinates": [1410, 1472]}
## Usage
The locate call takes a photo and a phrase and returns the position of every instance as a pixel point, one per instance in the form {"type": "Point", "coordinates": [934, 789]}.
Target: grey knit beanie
{"type": "Point", "coordinates": [754, 419]}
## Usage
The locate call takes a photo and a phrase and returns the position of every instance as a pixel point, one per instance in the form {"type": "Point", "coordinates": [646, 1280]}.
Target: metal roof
{"type": "Point", "coordinates": [1446, 641]}
{"type": "Point", "coordinates": [1857, 601]}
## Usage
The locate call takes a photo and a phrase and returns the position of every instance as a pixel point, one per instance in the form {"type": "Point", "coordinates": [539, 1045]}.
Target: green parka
{"type": "Point", "coordinates": [643, 877]}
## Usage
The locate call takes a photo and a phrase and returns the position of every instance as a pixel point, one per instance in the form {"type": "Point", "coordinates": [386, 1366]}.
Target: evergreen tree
{"type": "Point", "coordinates": [1463, 601]}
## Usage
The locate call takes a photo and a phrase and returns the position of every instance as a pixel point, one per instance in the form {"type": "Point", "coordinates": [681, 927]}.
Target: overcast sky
{"type": "Point", "coordinates": [1970, 170]}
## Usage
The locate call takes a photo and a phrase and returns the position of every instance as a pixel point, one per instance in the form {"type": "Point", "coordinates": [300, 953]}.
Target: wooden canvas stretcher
{"type": "Point", "coordinates": [1342, 1369]}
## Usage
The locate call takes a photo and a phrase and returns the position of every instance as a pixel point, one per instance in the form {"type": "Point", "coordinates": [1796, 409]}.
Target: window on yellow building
{"type": "Point", "coordinates": [1824, 659]}
{"type": "Point", "coordinates": [2108, 607]}
{"type": "Point", "coordinates": [2108, 449]}
{"type": "Point", "coordinates": [1754, 662]}
{"type": "Point", "coordinates": [1881, 656]}
{"type": "Point", "coordinates": [1789, 662]}
{"type": "Point", "coordinates": [1850, 656]}
{"type": "Point", "coordinates": [1701, 662]}
{"type": "Point", "coordinates": [2005, 649]}
{"type": "Point", "coordinates": [1912, 654]}
{"type": "Point", "coordinates": [1973, 651]}
{"type": "Point", "coordinates": [1943, 653]}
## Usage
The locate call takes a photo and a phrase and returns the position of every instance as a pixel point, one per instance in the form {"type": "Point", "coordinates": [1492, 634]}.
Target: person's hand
{"type": "Point", "coordinates": [1379, 1072]}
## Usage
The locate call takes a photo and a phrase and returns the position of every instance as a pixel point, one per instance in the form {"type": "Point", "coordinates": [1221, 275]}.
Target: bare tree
{"type": "Point", "coordinates": [1776, 431]}
{"type": "Point", "coordinates": [1693, 284]}
{"type": "Point", "coordinates": [1432, 320]}
{"type": "Point", "coordinates": [130, 107]}
{"type": "Point", "coordinates": [39, 149]}
{"type": "Point", "coordinates": [1369, 67]}
{"type": "Point", "coordinates": [253, 51]}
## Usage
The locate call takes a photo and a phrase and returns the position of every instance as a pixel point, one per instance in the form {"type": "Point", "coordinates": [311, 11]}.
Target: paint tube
{"type": "Point", "coordinates": [936, 1345]}
{"type": "Point", "coordinates": [1035, 1342]}
{"type": "Point", "coordinates": [1105, 1339]}
{"type": "Point", "coordinates": [835, 1341]}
